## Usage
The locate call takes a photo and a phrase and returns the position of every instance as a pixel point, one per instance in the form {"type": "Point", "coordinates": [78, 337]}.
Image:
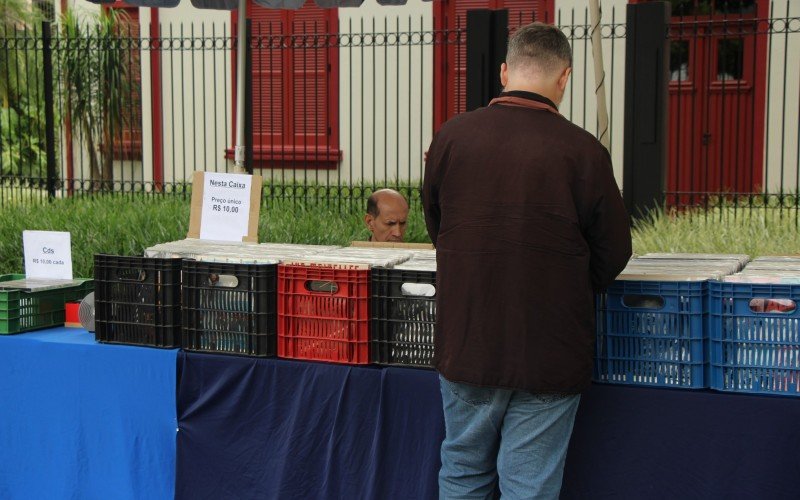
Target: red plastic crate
{"type": "Point", "coordinates": [323, 312]}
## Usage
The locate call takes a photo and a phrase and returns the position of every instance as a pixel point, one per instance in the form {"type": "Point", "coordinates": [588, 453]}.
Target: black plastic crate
{"type": "Point", "coordinates": [137, 300]}
{"type": "Point", "coordinates": [403, 322]}
{"type": "Point", "coordinates": [230, 308]}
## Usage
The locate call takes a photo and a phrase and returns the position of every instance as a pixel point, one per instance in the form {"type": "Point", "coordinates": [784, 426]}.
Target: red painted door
{"type": "Point", "coordinates": [716, 104]}
{"type": "Point", "coordinates": [686, 112]}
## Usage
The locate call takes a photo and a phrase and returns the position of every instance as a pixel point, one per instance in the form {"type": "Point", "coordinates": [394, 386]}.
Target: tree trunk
{"type": "Point", "coordinates": [94, 165]}
{"type": "Point", "coordinates": [108, 160]}
{"type": "Point", "coordinates": [599, 74]}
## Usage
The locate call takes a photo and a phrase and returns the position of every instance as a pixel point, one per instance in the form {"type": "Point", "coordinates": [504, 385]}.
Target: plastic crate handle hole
{"type": "Point", "coordinates": [418, 290]}
{"type": "Point", "coordinates": [131, 275]}
{"type": "Point", "coordinates": [223, 280]}
{"type": "Point", "coordinates": [321, 286]}
{"type": "Point", "coordinates": [643, 301]}
{"type": "Point", "coordinates": [780, 306]}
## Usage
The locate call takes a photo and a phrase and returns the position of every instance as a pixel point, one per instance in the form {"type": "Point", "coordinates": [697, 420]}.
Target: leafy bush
{"type": "Point", "coordinates": [22, 154]}
{"type": "Point", "coordinates": [22, 124]}
{"type": "Point", "coordinates": [126, 225]}
{"type": "Point", "coordinates": [98, 225]}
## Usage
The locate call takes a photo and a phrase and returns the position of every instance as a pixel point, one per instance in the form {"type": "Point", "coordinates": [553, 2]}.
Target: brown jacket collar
{"type": "Point", "coordinates": [525, 100]}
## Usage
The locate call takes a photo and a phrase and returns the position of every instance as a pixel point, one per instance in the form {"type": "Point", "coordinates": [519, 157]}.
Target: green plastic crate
{"type": "Point", "coordinates": [24, 311]}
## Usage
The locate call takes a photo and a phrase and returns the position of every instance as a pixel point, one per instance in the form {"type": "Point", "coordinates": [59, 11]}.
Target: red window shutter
{"type": "Point", "coordinates": [127, 142]}
{"type": "Point", "coordinates": [455, 17]}
{"type": "Point", "coordinates": [268, 26]}
{"type": "Point", "coordinates": [522, 12]}
{"type": "Point", "coordinates": [309, 95]}
{"type": "Point", "coordinates": [295, 85]}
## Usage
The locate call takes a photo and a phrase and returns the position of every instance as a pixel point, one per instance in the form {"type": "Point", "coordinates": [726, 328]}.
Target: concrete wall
{"type": "Point", "coordinates": [580, 103]}
{"type": "Point", "coordinates": [196, 91]}
{"type": "Point", "coordinates": [386, 121]}
{"type": "Point", "coordinates": [782, 137]}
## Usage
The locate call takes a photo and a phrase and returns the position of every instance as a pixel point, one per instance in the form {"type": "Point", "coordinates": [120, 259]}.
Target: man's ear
{"type": "Point", "coordinates": [368, 220]}
{"type": "Point", "coordinates": [504, 74]}
{"type": "Point", "coordinates": [564, 79]}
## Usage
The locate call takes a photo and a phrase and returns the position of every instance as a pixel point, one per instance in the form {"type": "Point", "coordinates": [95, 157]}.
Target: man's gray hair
{"type": "Point", "coordinates": [541, 45]}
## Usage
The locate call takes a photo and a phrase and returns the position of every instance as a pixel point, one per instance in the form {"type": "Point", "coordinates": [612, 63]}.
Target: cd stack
{"type": "Point", "coordinates": [776, 269]}
{"type": "Point", "coordinates": [191, 248]}
{"type": "Point", "coordinates": [682, 266]}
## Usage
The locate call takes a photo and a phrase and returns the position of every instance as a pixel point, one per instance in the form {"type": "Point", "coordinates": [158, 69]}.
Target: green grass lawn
{"type": "Point", "coordinates": [753, 232]}
{"type": "Point", "coordinates": [126, 226]}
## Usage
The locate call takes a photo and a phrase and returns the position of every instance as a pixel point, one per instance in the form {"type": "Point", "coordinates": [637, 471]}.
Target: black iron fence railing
{"type": "Point", "coordinates": [336, 107]}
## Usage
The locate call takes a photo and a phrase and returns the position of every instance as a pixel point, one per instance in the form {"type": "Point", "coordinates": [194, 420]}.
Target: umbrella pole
{"type": "Point", "coordinates": [599, 74]}
{"type": "Point", "coordinates": [241, 55]}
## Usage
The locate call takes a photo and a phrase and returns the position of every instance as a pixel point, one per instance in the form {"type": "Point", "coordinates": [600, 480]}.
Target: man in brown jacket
{"type": "Point", "coordinates": [528, 224]}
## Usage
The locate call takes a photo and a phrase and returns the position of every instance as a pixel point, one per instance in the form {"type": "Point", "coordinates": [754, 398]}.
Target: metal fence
{"type": "Point", "coordinates": [339, 106]}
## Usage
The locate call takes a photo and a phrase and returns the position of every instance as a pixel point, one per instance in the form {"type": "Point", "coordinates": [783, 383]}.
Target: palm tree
{"type": "Point", "coordinates": [21, 154]}
{"type": "Point", "coordinates": [95, 79]}
{"type": "Point", "coordinates": [14, 14]}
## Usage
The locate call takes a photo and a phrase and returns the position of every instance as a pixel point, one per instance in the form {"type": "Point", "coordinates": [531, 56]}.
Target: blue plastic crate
{"type": "Point", "coordinates": [755, 338]}
{"type": "Point", "coordinates": [652, 333]}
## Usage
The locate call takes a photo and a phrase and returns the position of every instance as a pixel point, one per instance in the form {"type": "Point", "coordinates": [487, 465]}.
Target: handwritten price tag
{"type": "Point", "coordinates": [226, 206]}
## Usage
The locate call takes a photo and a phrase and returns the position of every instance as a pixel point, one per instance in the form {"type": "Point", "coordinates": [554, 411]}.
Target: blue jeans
{"type": "Point", "coordinates": [512, 436]}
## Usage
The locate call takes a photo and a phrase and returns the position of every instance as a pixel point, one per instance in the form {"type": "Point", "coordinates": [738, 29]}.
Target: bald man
{"type": "Point", "coordinates": [387, 214]}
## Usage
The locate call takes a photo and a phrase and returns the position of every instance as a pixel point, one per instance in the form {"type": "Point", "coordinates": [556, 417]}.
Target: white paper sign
{"type": "Point", "coordinates": [226, 207]}
{"type": "Point", "coordinates": [48, 254]}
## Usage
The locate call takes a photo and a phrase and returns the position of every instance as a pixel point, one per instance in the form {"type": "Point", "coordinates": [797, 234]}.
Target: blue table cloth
{"type": "Point", "coordinates": [267, 428]}
{"type": "Point", "coordinates": [636, 442]}
{"type": "Point", "coordinates": [85, 420]}
{"type": "Point", "coordinates": [271, 428]}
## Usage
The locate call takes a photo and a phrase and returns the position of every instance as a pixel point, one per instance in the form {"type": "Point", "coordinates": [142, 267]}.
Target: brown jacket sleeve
{"type": "Point", "coordinates": [608, 230]}
{"type": "Point", "coordinates": [430, 189]}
